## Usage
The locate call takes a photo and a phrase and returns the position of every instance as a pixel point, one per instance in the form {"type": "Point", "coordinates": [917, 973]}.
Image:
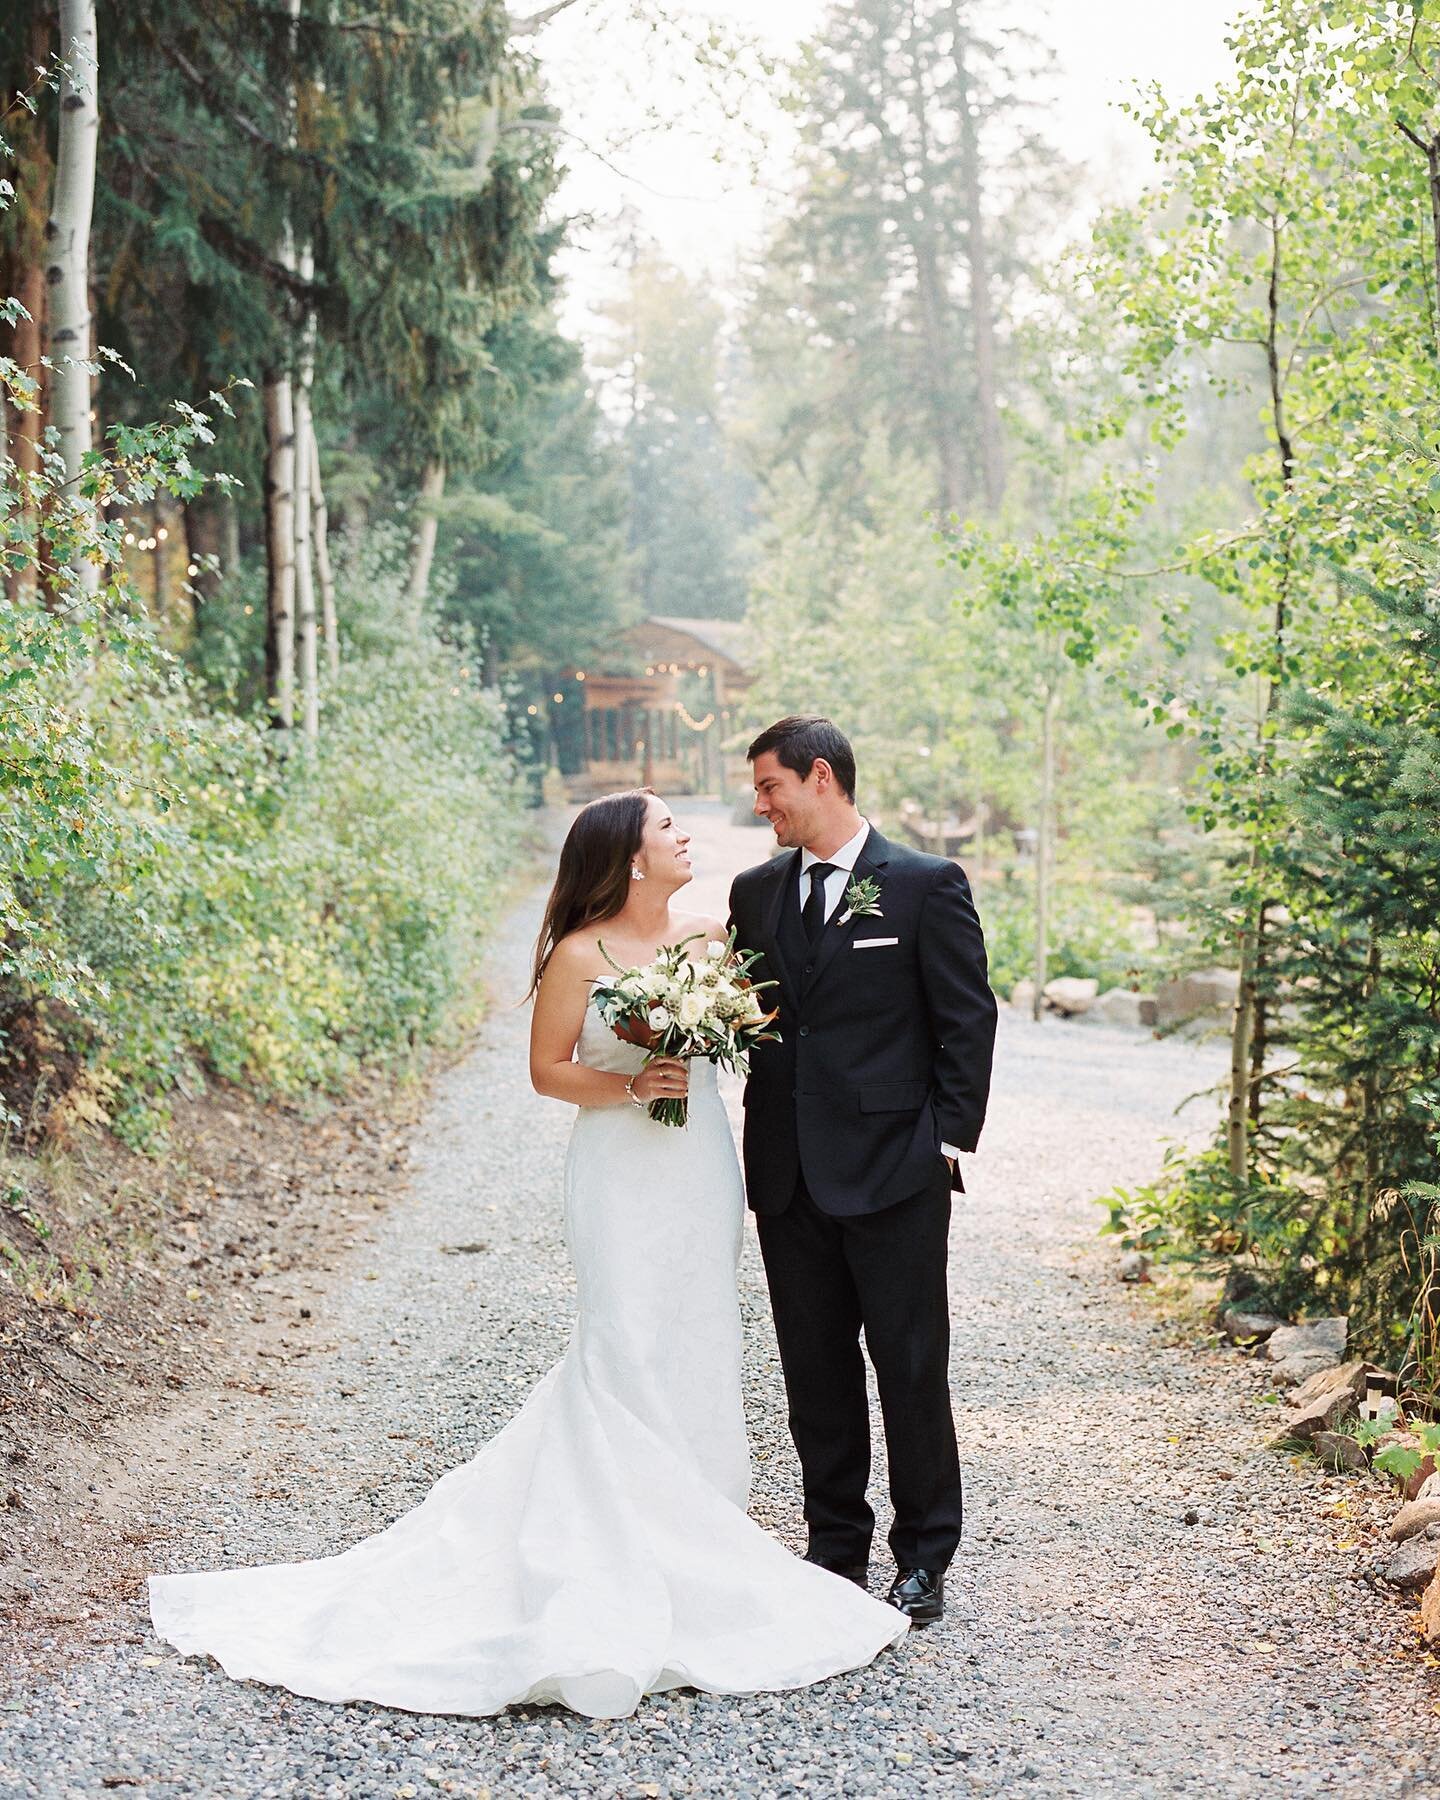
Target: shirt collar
{"type": "Point", "coordinates": [845, 857]}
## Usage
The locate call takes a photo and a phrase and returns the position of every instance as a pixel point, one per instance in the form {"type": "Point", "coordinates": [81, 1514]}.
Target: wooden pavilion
{"type": "Point", "coordinates": [658, 708]}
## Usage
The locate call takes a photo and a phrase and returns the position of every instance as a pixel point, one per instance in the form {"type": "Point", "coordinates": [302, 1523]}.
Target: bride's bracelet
{"type": "Point", "coordinates": [630, 1093]}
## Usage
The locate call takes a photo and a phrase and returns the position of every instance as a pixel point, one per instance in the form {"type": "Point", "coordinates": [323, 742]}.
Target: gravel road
{"type": "Point", "coordinates": [1096, 1643]}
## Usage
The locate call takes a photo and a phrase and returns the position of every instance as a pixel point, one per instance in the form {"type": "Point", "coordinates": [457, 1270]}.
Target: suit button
{"type": "Point", "coordinates": [809, 968]}
{"type": "Point", "coordinates": [804, 1031]}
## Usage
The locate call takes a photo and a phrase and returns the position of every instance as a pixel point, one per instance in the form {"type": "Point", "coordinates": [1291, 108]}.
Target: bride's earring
{"type": "Point", "coordinates": [635, 875]}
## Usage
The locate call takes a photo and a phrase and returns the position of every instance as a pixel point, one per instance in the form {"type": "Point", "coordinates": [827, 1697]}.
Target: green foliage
{"type": "Point", "coordinates": [293, 918]}
{"type": "Point", "coordinates": [175, 893]}
{"type": "Point", "coordinates": [1196, 1213]}
{"type": "Point", "coordinates": [1091, 932]}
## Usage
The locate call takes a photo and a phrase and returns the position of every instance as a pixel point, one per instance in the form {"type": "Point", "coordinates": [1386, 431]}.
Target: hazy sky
{"type": "Point", "coordinates": [689, 176]}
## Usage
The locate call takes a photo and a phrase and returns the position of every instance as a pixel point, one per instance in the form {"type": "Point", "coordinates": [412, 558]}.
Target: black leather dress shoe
{"type": "Point", "coordinates": [919, 1593]}
{"type": "Point", "coordinates": [859, 1573]}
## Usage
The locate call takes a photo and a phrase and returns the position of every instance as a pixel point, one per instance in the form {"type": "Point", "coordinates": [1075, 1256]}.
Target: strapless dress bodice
{"type": "Point", "coordinates": [599, 1048]}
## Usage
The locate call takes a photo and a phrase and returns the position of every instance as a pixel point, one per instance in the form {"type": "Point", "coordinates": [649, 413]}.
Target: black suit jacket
{"type": "Point", "coordinates": [885, 1047]}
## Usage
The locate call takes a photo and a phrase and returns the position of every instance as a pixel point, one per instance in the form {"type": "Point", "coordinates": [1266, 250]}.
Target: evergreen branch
{"type": "Point", "coordinates": [239, 249]}
{"type": "Point", "coordinates": [213, 97]}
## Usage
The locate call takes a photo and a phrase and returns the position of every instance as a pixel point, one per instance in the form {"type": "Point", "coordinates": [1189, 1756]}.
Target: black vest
{"type": "Point", "coordinates": [795, 947]}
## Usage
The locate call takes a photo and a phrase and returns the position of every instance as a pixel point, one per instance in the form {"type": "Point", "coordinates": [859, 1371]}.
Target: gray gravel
{"type": "Point", "coordinates": [1096, 1644]}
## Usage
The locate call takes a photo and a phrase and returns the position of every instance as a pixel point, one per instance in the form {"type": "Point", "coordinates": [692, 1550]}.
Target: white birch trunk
{"type": "Point", "coordinates": [67, 244]}
{"type": "Point", "coordinates": [320, 530]}
{"type": "Point", "coordinates": [280, 546]}
{"type": "Point", "coordinates": [304, 556]}
{"type": "Point", "coordinates": [432, 489]}
{"type": "Point", "coordinates": [1044, 851]}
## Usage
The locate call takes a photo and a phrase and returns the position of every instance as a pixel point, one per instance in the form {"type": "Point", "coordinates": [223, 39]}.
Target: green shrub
{"type": "Point", "coordinates": [1091, 933]}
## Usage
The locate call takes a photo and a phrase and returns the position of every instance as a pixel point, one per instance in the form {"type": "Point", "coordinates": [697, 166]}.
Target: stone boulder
{"type": "Point", "coordinates": [1430, 1615]}
{"type": "Point", "coordinates": [1350, 1376]}
{"type": "Point", "coordinates": [1314, 1338]}
{"type": "Point", "coordinates": [1071, 995]}
{"type": "Point", "coordinates": [1413, 1516]}
{"type": "Point", "coordinates": [1242, 1327]}
{"type": "Point", "coordinates": [1194, 995]}
{"type": "Point", "coordinates": [1119, 1006]}
{"type": "Point", "coordinates": [1133, 1266]}
{"type": "Point", "coordinates": [1339, 1451]}
{"type": "Point", "coordinates": [1412, 1567]}
{"type": "Point", "coordinates": [1323, 1413]}
{"type": "Point", "coordinates": [1295, 1371]}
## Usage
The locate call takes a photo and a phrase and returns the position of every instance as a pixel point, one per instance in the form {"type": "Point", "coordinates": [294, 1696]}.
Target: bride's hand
{"type": "Point", "coordinates": [667, 1078]}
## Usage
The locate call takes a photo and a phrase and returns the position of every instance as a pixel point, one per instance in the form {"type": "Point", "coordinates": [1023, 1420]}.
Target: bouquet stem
{"type": "Point", "coordinates": [670, 1111]}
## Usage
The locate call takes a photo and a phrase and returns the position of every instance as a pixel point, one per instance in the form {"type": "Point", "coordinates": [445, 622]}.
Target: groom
{"type": "Point", "coordinates": [853, 1123]}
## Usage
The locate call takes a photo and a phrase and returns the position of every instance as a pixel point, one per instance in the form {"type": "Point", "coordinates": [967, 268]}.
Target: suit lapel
{"type": "Point", "coordinates": [874, 854]}
{"type": "Point", "coordinates": [783, 872]}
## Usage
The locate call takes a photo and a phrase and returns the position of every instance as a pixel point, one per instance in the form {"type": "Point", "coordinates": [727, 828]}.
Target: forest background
{"type": "Point", "coordinates": [1105, 525]}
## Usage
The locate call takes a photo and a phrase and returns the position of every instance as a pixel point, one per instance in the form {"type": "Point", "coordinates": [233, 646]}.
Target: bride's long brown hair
{"type": "Point", "coordinates": [593, 879]}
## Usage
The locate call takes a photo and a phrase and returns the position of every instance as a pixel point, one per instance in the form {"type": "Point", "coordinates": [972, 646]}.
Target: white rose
{"type": "Point", "coordinates": [659, 1017]}
{"type": "Point", "coordinates": [692, 1009]}
{"type": "Point", "coordinates": [714, 950]}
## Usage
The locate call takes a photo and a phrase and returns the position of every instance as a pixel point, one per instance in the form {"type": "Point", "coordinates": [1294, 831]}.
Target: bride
{"type": "Point", "coordinates": [598, 1549]}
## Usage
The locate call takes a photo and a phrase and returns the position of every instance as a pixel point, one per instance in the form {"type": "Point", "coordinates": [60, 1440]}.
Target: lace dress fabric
{"type": "Point", "coordinates": [597, 1549]}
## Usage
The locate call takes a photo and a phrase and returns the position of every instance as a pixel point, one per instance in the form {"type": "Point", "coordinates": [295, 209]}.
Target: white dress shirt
{"type": "Point", "coordinates": [842, 867]}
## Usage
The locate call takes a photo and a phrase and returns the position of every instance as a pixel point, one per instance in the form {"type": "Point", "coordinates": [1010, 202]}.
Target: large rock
{"type": "Point", "coordinates": [1413, 1516]}
{"type": "Point", "coordinates": [1323, 1413]}
{"type": "Point", "coordinates": [1430, 1615]}
{"type": "Point", "coordinates": [1314, 1338]}
{"type": "Point", "coordinates": [1412, 1567]}
{"type": "Point", "coordinates": [1071, 995]}
{"type": "Point", "coordinates": [1350, 1376]}
{"type": "Point", "coordinates": [1119, 1006]}
{"type": "Point", "coordinates": [1241, 1326]}
{"type": "Point", "coordinates": [1191, 996]}
{"type": "Point", "coordinates": [1339, 1451]}
{"type": "Point", "coordinates": [1297, 1371]}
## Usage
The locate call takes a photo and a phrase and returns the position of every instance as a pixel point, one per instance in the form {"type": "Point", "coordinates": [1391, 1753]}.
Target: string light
{"type": "Point", "coordinates": [532, 710]}
{"type": "Point", "coordinates": [559, 699]}
{"type": "Point", "coordinates": [694, 724]}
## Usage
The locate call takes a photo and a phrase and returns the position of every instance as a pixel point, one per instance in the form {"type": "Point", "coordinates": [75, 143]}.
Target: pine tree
{"type": "Point", "coordinates": [1351, 1130]}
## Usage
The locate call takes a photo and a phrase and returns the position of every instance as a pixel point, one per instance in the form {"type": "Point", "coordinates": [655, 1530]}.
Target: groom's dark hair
{"type": "Point", "coordinates": [798, 740]}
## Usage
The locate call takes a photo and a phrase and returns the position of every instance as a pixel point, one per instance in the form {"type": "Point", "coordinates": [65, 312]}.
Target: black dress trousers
{"type": "Point", "coordinates": [883, 1273]}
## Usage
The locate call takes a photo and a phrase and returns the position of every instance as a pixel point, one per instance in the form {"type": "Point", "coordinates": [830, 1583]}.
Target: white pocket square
{"type": "Point", "coordinates": [872, 943]}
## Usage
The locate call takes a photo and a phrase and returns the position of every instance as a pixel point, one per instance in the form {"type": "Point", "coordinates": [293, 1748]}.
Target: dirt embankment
{"type": "Point", "coordinates": [126, 1280]}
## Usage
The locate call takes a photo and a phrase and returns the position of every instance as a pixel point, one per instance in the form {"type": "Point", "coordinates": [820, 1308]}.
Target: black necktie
{"type": "Point", "coordinates": [812, 915]}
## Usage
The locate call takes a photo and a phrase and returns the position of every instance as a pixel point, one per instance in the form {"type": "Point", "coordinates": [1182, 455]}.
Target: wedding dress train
{"type": "Point", "coordinates": [598, 1548]}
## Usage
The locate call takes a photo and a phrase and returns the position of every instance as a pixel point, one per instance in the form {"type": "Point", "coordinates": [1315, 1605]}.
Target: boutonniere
{"type": "Point", "coordinates": [862, 900]}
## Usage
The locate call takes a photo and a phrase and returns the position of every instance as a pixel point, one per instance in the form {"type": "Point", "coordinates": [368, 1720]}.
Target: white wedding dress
{"type": "Point", "coordinates": [597, 1549]}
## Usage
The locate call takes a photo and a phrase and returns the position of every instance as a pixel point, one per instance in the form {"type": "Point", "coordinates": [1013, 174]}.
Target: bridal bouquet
{"type": "Point", "coordinates": [676, 1006]}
